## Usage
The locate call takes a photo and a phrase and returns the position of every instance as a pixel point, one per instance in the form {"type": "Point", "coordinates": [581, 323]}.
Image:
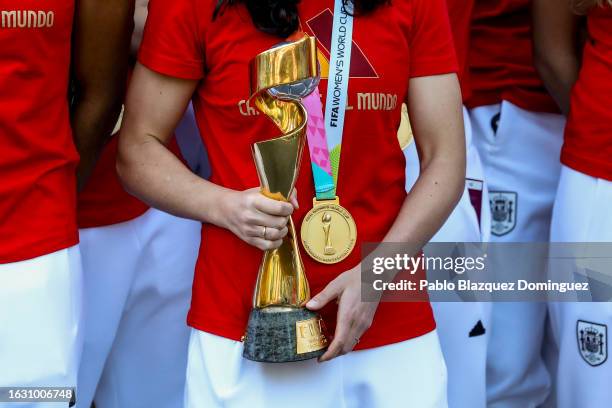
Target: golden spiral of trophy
{"type": "Point", "coordinates": [280, 328]}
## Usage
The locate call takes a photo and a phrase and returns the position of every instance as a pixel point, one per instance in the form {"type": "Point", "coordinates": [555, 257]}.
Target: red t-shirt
{"type": "Point", "coordinates": [501, 61]}
{"type": "Point", "coordinates": [460, 12]}
{"type": "Point", "coordinates": [38, 159]}
{"type": "Point", "coordinates": [407, 39]}
{"type": "Point", "coordinates": [588, 134]}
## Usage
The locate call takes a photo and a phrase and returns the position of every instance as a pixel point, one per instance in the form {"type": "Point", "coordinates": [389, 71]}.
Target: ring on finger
{"type": "Point", "coordinates": [265, 230]}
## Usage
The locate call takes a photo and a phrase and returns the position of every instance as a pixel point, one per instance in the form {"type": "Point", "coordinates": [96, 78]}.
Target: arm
{"type": "Point", "coordinates": [556, 48]}
{"type": "Point", "coordinates": [100, 58]}
{"type": "Point", "coordinates": [155, 105]}
{"type": "Point", "coordinates": [436, 117]}
{"type": "Point", "coordinates": [435, 110]}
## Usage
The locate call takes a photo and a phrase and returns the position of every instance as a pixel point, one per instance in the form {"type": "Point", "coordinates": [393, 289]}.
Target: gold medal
{"type": "Point", "coordinates": [328, 232]}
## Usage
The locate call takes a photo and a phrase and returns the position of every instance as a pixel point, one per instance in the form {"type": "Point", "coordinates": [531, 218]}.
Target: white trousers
{"type": "Point", "coordinates": [520, 155]}
{"type": "Point", "coordinates": [464, 346]}
{"type": "Point", "coordinates": [406, 374]}
{"type": "Point", "coordinates": [40, 316]}
{"type": "Point", "coordinates": [583, 374]}
{"type": "Point", "coordinates": [138, 277]}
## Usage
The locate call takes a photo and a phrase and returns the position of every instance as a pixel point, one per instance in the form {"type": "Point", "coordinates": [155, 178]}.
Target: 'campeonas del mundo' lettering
{"type": "Point", "coordinates": [27, 19]}
{"type": "Point", "coordinates": [376, 101]}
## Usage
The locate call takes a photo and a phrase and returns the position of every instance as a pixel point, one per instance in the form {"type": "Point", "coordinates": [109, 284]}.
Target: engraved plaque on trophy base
{"type": "Point", "coordinates": [281, 335]}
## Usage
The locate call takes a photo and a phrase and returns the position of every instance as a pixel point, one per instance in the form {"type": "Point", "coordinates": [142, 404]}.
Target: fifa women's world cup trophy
{"type": "Point", "coordinates": [280, 328]}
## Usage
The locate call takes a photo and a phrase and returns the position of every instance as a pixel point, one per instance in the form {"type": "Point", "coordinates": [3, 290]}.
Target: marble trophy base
{"type": "Point", "coordinates": [271, 335]}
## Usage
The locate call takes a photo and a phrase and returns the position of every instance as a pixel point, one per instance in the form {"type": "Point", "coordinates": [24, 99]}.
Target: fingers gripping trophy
{"type": "Point", "coordinates": [280, 328]}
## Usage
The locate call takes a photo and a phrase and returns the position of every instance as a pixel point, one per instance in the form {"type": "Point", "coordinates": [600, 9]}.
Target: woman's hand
{"type": "Point", "coordinates": [354, 316]}
{"type": "Point", "coordinates": [256, 219]}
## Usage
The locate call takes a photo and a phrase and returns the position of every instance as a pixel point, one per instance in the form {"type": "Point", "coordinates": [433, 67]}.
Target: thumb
{"type": "Point", "coordinates": [331, 292]}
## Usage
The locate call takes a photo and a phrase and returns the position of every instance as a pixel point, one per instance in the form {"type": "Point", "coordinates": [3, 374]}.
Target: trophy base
{"type": "Point", "coordinates": [282, 335]}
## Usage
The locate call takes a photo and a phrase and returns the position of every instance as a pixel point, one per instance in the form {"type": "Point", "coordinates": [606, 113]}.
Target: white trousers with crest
{"type": "Point", "coordinates": [582, 330]}
{"type": "Point", "coordinates": [519, 150]}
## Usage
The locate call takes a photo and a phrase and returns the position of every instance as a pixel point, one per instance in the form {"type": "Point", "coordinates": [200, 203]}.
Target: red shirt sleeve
{"type": "Point", "coordinates": [172, 41]}
{"type": "Point", "coordinates": [432, 51]}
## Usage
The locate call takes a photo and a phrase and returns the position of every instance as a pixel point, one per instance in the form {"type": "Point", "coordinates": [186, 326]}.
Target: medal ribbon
{"type": "Point", "coordinates": [324, 133]}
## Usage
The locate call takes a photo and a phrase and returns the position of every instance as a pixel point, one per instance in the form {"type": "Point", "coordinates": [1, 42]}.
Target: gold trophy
{"type": "Point", "coordinates": [280, 328]}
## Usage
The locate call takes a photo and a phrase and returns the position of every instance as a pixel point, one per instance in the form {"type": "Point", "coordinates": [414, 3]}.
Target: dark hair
{"type": "Point", "coordinates": [280, 17]}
